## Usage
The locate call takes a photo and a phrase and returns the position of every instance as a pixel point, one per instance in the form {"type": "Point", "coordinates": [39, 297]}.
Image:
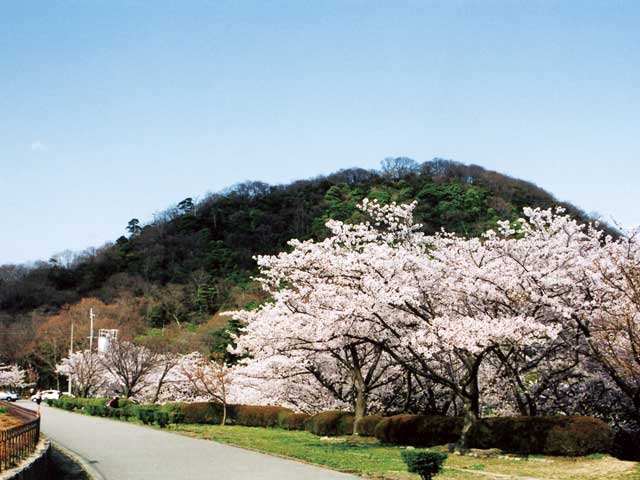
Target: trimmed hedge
{"type": "Point", "coordinates": [161, 418]}
{"type": "Point", "coordinates": [183, 412]}
{"type": "Point", "coordinates": [331, 423]}
{"type": "Point", "coordinates": [367, 426]}
{"type": "Point", "coordinates": [295, 421]}
{"type": "Point", "coordinates": [209, 413]}
{"type": "Point", "coordinates": [259, 416]}
{"type": "Point", "coordinates": [146, 414]}
{"type": "Point", "coordinates": [419, 430]}
{"type": "Point", "coordinates": [558, 435]}
{"type": "Point", "coordinates": [70, 403]}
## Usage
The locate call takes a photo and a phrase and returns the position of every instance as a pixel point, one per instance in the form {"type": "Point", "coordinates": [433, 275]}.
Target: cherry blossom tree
{"type": "Point", "coordinates": [158, 382]}
{"type": "Point", "coordinates": [438, 306]}
{"type": "Point", "coordinates": [86, 371]}
{"type": "Point", "coordinates": [12, 376]}
{"type": "Point", "coordinates": [318, 334]}
{"type": "Point", "coordinates": [285, 381]}
{"type": "Point", "coordinates": [609, 319]}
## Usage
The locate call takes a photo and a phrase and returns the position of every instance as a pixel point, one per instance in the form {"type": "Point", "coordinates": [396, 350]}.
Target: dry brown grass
{"type": "Point", "coordinates": [558, 468]}
{"type": "Point", "coordinates": [7, 421]}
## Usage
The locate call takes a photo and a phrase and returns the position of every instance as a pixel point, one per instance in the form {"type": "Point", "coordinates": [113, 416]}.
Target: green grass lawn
{"type": "Point", "coordinates": [367, 457]}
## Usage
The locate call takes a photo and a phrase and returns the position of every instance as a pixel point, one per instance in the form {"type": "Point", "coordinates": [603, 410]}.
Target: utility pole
{"type": "Point", "coordinates": [71, 353]}
{"type": "Point", "coordinates": [91, 317]}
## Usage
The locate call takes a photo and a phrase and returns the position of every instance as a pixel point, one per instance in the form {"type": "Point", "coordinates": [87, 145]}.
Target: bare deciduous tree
{"type": "Point", "coordinates": [129, 365]}
{"type": "Point", "coordinates": [208, 378]}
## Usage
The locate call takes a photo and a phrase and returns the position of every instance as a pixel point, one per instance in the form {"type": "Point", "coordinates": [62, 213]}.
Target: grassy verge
{"type": "Point", "coordinates": [367, 457]}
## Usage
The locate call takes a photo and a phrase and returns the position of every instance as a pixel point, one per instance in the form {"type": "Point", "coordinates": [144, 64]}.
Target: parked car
{"type": "Point", "coordinates": [9, 396]}
{"type": "Point", "coordinates": [47, 395]}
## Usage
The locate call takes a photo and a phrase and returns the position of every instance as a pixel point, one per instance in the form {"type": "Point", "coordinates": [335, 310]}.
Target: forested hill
{"type": "Point", "coordinates": [191, 257]}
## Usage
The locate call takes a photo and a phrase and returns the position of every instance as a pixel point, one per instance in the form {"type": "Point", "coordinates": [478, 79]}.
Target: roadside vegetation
{"type": "Point", "coordinates": [366, 456]}
{"type": "Point", "coordinates": [321, 440]}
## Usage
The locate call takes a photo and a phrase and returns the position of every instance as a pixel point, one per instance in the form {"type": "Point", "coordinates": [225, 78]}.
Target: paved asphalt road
{"type": "Point", "coordinates": [122, 451]}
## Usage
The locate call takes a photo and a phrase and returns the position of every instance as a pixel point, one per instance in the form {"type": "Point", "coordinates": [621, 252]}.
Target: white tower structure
{"type": "Point", "coordinates": [105, 338]}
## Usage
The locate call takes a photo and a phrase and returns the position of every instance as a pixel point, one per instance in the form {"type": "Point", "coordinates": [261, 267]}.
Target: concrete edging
{"type": "Point", "coordinates": [86, 466]}
{"type": "Point", "coordinates": [34, 466]}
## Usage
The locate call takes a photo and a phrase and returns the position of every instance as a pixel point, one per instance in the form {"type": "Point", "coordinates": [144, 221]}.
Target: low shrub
{"type": "Point", "coordinates": [146, 414]}
{"type": "Point", "coordinates": [100, 410]}
{"type": "Point", "coordinates": [419, 430]}
{"type": "Point", "coordinates": [161, 418]}
{"type": "Point", "coordinates": [295, 421]}
{"type": "Point", "coordinates": [127, 412]}
{"type": "Point", "coordinates": [578, 436]}
{"type": "Point", "coordinates": [625, 445]}
{"type": "Point", "coordinates": [367, 425]}
{"type": "Point", "coordinates": [558, 435]}
{"type": "Point", "coordinates": [333, 422]}
{"type": "Point", "coordinates": [425, 464]}
{"type": "Point", "coordinates": [259, 416]}
{"type": "Point", "coordinates": [197, 412]}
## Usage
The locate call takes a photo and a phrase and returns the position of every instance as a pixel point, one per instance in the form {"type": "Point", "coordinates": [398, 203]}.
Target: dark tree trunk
{"type": "Point", "coordinates": [360, 406]}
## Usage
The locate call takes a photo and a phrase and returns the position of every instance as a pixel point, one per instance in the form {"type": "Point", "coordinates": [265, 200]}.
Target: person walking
{"type": "Point", "coordinates": [38, 402]}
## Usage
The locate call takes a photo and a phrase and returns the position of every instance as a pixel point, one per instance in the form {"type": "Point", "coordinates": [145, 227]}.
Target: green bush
{"type": "Point", "coordinates": [197, 412]}
{"type": "Point", "coordinates": [425, 464]}
{"type": "Point", "coordinates": [295, 421]}
{"type": "Point", "coordinates": [559, 435]}
{"type": "Point", "coordinates": [68, 404]}
{"type": "Point", "coordinates": [127, 412]}
{"type": "Point", "coordinates": [71, 403]}
{"type": "Point", "coordinates": [419, 430]}
{"type": "Point", "coordinates": [3, 410]}
{"type": "Point", "coordinates": [367, 426]}
{"type": "Point", "coordinates": [333, 422]}
{"type": "Point", "coordinates": [115, 412]}
{"type": "Point", "coordinates": [161, 418]}
{"type": "Point", "coordinates": [259, 416]}
{"type": "Point", "coordinates": [146, 414]}
{"type": "Point", "coordinates": [96, 410]}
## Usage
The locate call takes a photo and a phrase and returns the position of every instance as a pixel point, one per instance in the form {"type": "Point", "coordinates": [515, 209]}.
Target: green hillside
{"type": "Point", "coordinates": [196, 258]}
{"type": "Point", "coordinates": [218, 236]}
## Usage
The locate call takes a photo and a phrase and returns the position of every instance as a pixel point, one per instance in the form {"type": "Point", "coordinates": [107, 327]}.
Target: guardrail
{"type": "Point", "coordinates": [19, 442]}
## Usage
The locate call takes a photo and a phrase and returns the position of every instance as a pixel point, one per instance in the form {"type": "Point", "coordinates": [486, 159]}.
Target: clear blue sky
{"type": "Point", "coordinates": [111, 110]}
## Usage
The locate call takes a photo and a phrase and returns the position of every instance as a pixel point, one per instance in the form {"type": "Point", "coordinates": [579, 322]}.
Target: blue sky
{"type": "Point", "coordinates": [111, 110]}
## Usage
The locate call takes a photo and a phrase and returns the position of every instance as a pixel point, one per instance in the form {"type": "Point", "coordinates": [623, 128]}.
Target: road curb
{"type": "Point", "coordinates": [86, 466]}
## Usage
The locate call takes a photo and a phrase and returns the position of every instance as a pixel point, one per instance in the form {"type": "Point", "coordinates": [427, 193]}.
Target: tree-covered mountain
{"type": "Point", "coordinates": [196, 258]}
{"type": "Point", "coordinates": [211, 243]}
